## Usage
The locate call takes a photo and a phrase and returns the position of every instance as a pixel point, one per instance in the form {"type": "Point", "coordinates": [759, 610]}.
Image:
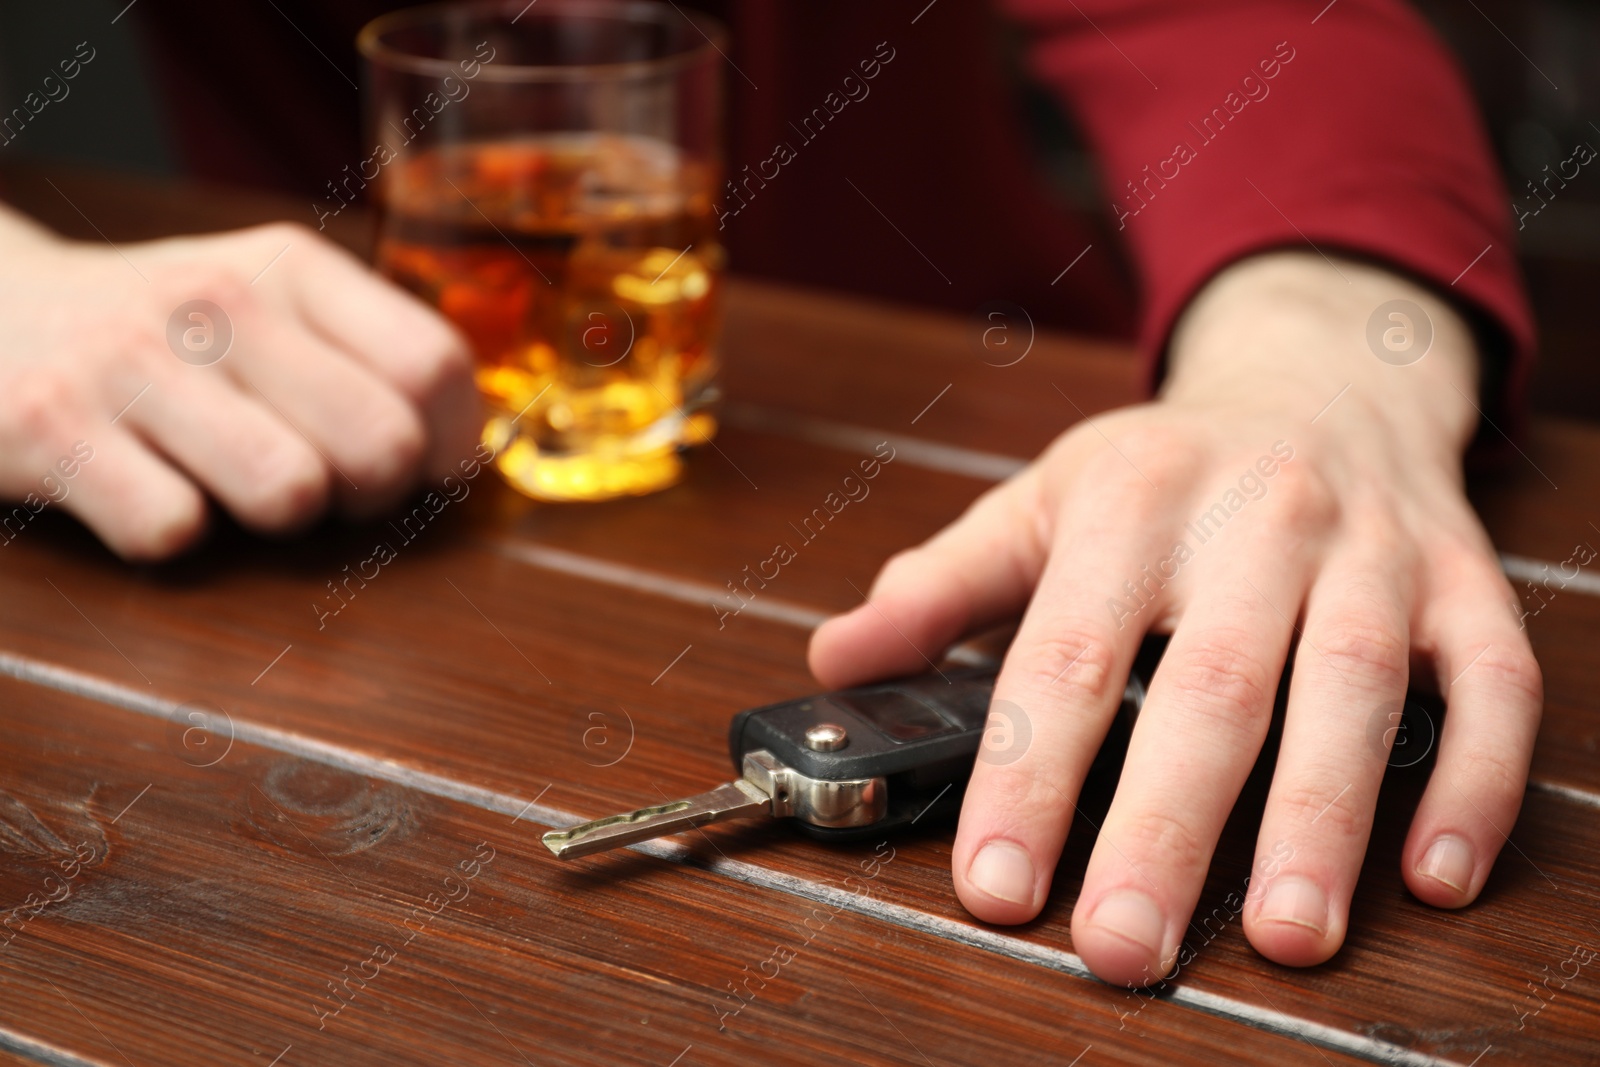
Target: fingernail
{"type": "Point", "coordinates": [1004, 871]}
{"type": "Point", "coordinates": [1134, 917]}
{"type": "Point", "coordinates": [1297, 900]}
{"type": "Point", "coordinates": [1448, 860]}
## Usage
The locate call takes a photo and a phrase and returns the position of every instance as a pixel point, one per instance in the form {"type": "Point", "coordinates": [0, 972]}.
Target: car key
{"type": "Point", "coordinates": [843, 765]}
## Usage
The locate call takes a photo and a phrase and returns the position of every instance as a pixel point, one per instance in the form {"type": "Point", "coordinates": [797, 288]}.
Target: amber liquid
{"type": "Point", "coordinates": [586, 272]}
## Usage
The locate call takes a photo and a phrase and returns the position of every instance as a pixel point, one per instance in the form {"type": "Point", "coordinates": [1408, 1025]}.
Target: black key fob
{"type": "Point", "coordinates": [919, 735]}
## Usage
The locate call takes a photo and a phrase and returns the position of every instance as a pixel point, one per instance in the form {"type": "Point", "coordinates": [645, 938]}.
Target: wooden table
{"type": "Point", "coordinates": [273, 843]}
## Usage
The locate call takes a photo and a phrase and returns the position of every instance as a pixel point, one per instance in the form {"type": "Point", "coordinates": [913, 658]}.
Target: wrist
{"type": "Point", "coordinates": [1292, 330]}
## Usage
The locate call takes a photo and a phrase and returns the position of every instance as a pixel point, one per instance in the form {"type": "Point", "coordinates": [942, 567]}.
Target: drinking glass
{"type": "Point", "coordinates": [544, 175]}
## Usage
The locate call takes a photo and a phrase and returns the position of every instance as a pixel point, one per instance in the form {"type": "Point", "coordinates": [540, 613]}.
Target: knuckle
{"type": "Point", "coordinates": [1486, 773]}
{"type": "Point", "coordinates": [389, 446]}
{"type": "Point", "coordinates": [282, 231]}
{"type": "Point", "coordinates": [1300, 499]}
{"type": "Point", "coordinates": [1220, 681]}
{"type": "Point", "coordinates": [1111, 499]}
{"type": "Point", "coordinates": [1069, 660]}
{"type": "Point", "coordinates": [1145, 453]}
{"type": "Point", "coordinates": [39, 406]}
{"type": "Point", "coordinates": [1512, 669]}
{"type": "Point", "coordinates": [291, 485]}
{"type": "Point", "coordinates": [220, 283]}
{"type": "Point", "coordinates": [1015, 800]}
{"type": "Point", "coordinates": [1374, 654]}
{"type": "Point", "coordinates": [1164, 838]}
{"type": "Point", "coordinates": [297, 244]}
{"type": "Point", "coordinates": [429, 355]}
{"type": "Point", "coordinates": [1021, 505]}
{"type": "Point", "coordinates": [1157, 449]}
{"type": "Point", "coordinates": [159, 531]}
{"type": "Point", "coordinates": [1335, 810]}
{"type": "Point", "coordinates": [1373, 521]}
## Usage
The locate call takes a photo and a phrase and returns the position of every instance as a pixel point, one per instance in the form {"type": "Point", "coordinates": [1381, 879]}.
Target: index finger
{"type": "Point", "coordinates": [1063, 680]}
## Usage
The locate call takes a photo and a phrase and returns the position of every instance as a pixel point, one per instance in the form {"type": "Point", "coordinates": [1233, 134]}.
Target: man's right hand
{"type": "Point", "coordinates": [334, 386]}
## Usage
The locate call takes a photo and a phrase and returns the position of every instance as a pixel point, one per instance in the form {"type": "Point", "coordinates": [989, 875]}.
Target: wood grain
{"type": "Point", "coordinates": [214, 906]}
{"type": "Point", "coordinates": [467, 707]}
{"type": "Point", "coordinates": [472, 675]}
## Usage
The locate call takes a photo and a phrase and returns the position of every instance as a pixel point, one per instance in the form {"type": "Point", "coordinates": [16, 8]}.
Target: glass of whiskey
{"type": "Point", "coordinates": [544, 176]}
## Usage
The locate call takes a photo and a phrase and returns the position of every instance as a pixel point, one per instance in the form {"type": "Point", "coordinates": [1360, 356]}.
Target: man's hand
{"type": "Point", "coordinates": [1289, 486]}
{"type": "Point", "coordinates": [335, 384]}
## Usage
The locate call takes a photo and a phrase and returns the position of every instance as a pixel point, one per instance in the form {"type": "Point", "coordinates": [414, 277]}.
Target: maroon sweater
{"type": "Point", "coordinates": [1221, 127]}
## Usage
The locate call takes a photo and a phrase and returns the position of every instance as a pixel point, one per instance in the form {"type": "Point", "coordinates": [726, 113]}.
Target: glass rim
{"type": "Point", "coordinates": [370, 43]}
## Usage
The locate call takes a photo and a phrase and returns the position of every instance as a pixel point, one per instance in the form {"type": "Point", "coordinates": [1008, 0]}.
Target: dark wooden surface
{"type": "Point", "coordinates": [511, 669]}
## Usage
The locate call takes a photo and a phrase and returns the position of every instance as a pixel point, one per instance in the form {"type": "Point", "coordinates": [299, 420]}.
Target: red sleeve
{"type": "Point", "coordinates": [1226, 127]}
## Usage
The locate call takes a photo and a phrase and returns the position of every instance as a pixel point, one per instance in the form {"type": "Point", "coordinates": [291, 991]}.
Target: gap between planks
{"type": "Point", "coordinates": [39, 1052]}
{"type": "Point", "coordinates": [102, 691]}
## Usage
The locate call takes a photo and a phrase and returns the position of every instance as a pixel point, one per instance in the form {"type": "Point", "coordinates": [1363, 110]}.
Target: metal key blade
{"type": "Point", "coordinates": [736, 800]}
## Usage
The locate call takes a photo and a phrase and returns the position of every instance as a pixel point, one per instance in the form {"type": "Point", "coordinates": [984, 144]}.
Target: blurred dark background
{"type": "Point", "coordinates": [137, 105]}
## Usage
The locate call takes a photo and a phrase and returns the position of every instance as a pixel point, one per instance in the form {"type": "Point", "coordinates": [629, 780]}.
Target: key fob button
{"type": "Point", "coordinates": [898, 716]}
